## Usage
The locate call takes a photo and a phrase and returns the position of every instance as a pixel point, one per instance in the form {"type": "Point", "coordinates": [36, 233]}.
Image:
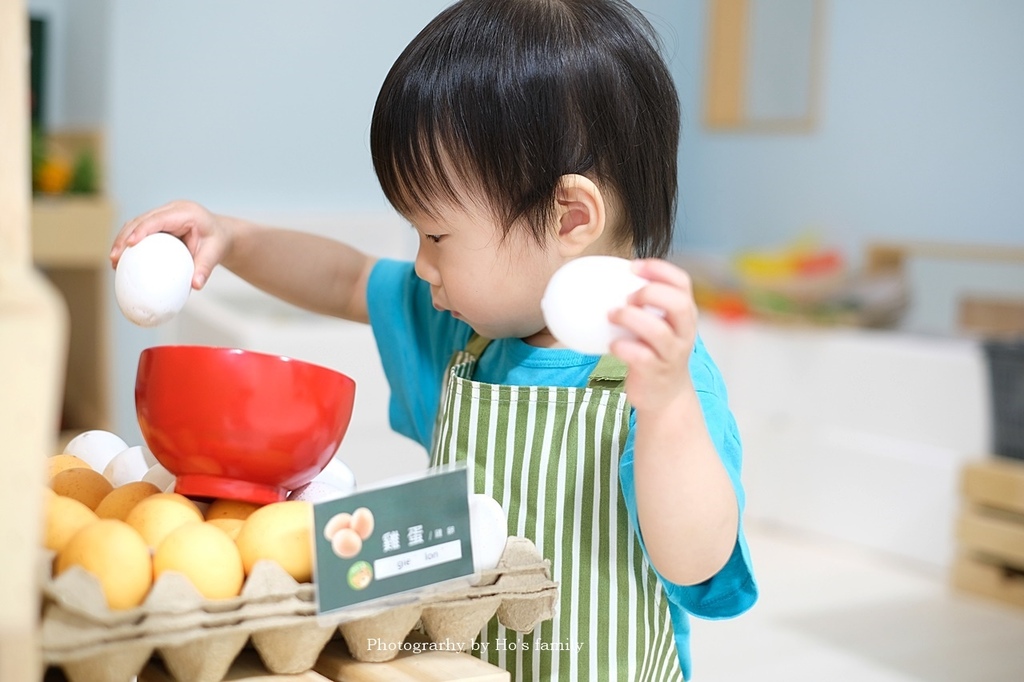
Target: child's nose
{"type": "Point", "coordinates": [425, 268]}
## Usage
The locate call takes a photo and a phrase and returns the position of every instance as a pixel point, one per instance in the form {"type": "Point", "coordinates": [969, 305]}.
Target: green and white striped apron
{"type": "Point", "coordinates": [550, 456]}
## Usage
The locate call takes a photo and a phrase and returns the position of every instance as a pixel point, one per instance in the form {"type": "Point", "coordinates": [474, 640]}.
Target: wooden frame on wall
{"type": "Point", "coordinates": [763, 63]}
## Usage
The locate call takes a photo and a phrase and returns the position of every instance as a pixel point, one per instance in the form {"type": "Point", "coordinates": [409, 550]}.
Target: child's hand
{"type": "Point", "coordinates": [206, 235]}
{"type": "Point", "coordinates": [659, 357]}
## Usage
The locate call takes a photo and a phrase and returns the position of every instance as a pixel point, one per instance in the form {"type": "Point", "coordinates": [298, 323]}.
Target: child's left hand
{"type": "Point", "coordinates": [659, 357]}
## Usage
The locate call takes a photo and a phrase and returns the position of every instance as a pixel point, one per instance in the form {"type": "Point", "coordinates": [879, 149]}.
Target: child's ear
{"type": "Point", "coordinates": [580, 210]}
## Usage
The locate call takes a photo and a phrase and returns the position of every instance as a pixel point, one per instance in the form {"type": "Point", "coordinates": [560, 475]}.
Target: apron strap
{"type": "Point", "coordinates": [609, 374]}
{"type": "Point", "coordinates": [476, 345]}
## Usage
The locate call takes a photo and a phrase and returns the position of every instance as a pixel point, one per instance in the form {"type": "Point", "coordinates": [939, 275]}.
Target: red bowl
{"type": "Point", "coordinates": [239, 424]}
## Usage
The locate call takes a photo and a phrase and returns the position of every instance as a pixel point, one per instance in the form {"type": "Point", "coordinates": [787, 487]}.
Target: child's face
{"type": "Point", "coordinates": [494, 284]}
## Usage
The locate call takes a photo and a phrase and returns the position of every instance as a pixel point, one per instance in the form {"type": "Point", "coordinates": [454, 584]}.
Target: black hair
{"type": "Point", "coordinates": [507, 96]}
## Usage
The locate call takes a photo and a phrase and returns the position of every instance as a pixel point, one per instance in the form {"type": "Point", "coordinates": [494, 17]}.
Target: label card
{"type": "Point", "coordinates": [382, 542]}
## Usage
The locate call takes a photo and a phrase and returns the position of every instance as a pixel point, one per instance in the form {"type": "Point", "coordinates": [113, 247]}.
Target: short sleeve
{"type": "Point", "coordinates": [414, 341]}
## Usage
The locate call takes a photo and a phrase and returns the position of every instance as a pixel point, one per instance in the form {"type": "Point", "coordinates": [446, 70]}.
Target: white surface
{"type": "Point", "coordinates": [830, 611]}
{"type": "Point", "coordinates": [230, 312]}
{"type": "Point", "coordinates": [858, 435]}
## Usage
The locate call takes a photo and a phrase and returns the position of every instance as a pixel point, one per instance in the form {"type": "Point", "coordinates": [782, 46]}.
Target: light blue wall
{"type": "Point", "coordinates": [263, 105]}
{"type": "Point", "coordinates": [919, 136]}
{"type": "Point", "coordinates": [242, 104]}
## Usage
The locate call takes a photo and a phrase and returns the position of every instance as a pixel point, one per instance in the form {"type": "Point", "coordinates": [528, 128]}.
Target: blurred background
{"type": "Point", "coordinates": [850, 208]}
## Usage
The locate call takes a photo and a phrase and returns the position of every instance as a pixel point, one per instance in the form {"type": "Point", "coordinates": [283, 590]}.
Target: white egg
{"type": "Point", "coordinates": [96, 447]}
{"type": "Point", "coordinates": [160, 477]}
{"type": "Point", "coordinates": [488, 529]}
{"type": "Point", "coordinates": [129, 465]}
{"type": "Point", "coordinates": [579, 297]}
{"type": "Point", "coordinates": [316, 491]}
{"type": "Point", "coordinates": [153, 279]}
{"type": "Point", "coordinates": [338, 475]}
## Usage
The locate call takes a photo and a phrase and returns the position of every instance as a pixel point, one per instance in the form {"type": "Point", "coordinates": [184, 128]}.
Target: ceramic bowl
{"type": "Point", "coordinates": [240, 424]}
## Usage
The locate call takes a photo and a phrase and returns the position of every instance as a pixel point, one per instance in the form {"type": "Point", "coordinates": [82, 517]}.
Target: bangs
{"type": "Point", "coordinates": [495, 101]}
{"type": "Point", "coordinates": [425, 167]}
{"type": "Point", "coordinates": [475, 104]}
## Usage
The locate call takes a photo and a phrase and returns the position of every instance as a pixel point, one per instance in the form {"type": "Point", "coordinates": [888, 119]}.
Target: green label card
{"type": "Point", "coordinates": [393, 539]}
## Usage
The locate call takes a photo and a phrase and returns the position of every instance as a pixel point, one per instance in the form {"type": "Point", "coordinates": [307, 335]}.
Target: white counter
{"type": "Point", "coordinates": [856, 434]}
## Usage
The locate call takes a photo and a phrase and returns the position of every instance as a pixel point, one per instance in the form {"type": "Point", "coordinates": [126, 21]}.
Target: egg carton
{"type": "Point", "coordinates": [198, 639]}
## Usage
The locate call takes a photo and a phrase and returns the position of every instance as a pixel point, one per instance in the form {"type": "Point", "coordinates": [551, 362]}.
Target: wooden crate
{"type": "Point", "coordinates": [990, 531]}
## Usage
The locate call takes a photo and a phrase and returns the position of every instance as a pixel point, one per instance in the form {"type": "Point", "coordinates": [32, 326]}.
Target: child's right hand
{"type": "Point", "coordinates": [207, 236]}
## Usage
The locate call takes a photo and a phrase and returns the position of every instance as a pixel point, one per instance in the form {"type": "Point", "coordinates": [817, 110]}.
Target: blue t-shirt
{"type": "Point", "coordinates": [416, 342]}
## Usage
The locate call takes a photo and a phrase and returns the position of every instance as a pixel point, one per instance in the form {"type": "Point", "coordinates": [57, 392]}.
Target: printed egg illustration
{"type": "Point", "coordinates": [336, 523]}
{"type": "Point", "coordinates": [362, 522]}
{"type": "Point", "coordinates": [346, 543]}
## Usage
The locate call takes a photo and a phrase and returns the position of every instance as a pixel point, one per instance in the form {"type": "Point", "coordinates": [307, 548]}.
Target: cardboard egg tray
{"type": "Point", "coordinates": [198, 639]}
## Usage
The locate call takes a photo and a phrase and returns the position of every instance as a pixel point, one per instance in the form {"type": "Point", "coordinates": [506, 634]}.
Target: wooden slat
{"type": "Point", "coordinates": [336, 664]}
{"type": "Point", "coordinates": [995, 483]}
{"type": "Point", "coordinates": [988, 579]}
{"type": "Point", "coordinates": [991, 316]}
{"type": "Point", "coordinates": [246, 667]}
{"type": "Point", "coordinates": [993, 533]}
{"type": "Point", "coordinates": [952, 251]}
{"type": "Point", "coordinates": [726, 75]}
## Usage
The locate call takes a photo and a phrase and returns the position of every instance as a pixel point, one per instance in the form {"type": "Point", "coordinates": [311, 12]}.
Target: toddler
{"type": "Point", "coordinates": [515, 136]}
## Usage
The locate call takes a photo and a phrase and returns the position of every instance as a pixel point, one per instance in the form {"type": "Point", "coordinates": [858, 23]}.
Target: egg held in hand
{"type": "Point", "coordinates": [153, 279]}
{"type": "Point", "coordinates": [579, 297]}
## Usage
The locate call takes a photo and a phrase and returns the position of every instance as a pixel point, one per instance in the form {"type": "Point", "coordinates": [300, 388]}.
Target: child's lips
{"type": "Point", "coordinates": [441, 308]}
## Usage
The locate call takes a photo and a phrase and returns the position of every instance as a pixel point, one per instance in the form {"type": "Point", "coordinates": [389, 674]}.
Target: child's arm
{"type": "Point", "coordinates": [313, 272]}
{"type": "Point", "coordinates": [686, 505]}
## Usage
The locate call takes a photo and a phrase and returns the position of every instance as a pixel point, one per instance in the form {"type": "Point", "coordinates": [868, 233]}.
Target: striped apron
{"type": "Point", "coordinates": [550, 456]}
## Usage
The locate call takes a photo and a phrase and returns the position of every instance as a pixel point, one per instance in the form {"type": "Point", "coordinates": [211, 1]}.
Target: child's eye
{"type": "Point", "coordinates": [434, 237]}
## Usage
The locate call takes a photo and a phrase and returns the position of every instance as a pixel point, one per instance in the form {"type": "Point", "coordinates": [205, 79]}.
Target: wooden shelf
{"type": "Point", "coordinates": [72, 231]}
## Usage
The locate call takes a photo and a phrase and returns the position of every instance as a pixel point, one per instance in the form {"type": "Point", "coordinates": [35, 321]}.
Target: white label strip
{"type": "Point", "coordinates": [417, 559]}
